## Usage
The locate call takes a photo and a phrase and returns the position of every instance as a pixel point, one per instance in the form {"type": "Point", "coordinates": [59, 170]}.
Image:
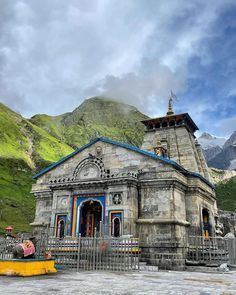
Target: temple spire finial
{"type": "Point", "coordinates": [170, 106]}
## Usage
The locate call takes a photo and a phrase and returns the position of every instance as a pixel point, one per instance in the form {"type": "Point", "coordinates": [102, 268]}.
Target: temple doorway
{"type": "Point", "coordinates": [206, 224]}
{"type": "Point", "coordinates": [61, 229]}
{"type": "Point", "coordinates": [116, 230]}
{"type": "Point", "coordinates": [60, 226]}
{"type": "Point", "coordinates": [90, 218]}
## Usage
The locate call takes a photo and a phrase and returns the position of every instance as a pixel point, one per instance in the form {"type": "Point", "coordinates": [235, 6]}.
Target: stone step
{"type": "Point", "coordinates": [143, 266]}
{"type": "Point", "coordinates": [148, 268]}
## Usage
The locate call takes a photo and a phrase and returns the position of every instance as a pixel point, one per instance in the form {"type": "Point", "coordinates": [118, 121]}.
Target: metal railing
{"type": "Point", "coordinates": [211, 251]}
{"type": "Point", "coordinates": [113, 254]}
{"type": "Point", "coordinates": [94, 253]}
{"type": "Point", "coordinates": [7, 243]}
{"type": "Point", "coordinates": [101, 252]}
{"type": "Point", "coordinates": [104, 252]}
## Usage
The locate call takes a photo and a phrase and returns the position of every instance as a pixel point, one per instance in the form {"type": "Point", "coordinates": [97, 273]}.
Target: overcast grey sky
{"type": "Point", "coordinates": [56, 53]}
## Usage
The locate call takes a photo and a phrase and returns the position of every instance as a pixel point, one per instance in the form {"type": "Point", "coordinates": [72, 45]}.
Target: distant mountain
{"type": "Point", "coordinates": [226, 159]}
{"type": "Point", "coordinates": [219, 152]}
{"type": "Point", "coordinates": [209, 141]}
{"type": "Point", "coordinates": [219, 176]}
{"type": "Point", "coordinates": [225, 181]}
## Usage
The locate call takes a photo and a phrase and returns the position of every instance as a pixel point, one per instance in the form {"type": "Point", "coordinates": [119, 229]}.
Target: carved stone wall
{"type": "Point", "coordinates": [181, 147]}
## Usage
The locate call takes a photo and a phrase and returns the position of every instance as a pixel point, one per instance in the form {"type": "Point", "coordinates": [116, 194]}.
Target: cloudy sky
{"type": "Point", "coordinates": [56, 53]}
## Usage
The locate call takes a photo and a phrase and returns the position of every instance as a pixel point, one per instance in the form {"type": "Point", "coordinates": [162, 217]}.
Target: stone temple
{"type": "Point", "coordinates": [159, 193]}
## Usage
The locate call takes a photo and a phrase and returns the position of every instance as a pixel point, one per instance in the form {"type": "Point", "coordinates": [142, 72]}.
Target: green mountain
{"type": "Point", "coordinates": [27, 146]}
{"type": "Point", "coordinates": [95, 116]}
{"type": "Point", "coordinates": [22, 140]}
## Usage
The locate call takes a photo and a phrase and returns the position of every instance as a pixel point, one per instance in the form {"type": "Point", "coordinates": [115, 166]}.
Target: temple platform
{"type": "Point", "coordinates": [27, 267]}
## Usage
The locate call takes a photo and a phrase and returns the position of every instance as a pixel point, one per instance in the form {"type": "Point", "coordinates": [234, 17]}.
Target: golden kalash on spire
{"type": "Point", "coordinates": [170, 107]}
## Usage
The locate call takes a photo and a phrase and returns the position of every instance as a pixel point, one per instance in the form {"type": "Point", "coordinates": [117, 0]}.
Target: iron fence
{"type": "Point", "coordinates": [6, 247]}
{"type": "Point", "coordinates": [210, 251]}
{"type": "Point", "coordinates": [113, 254]}
{"type": "Point", "coordinates": [64, 251]}
{"type": "Point", "coordinates": [7, 243]}
{"type": "Point", "coordinates": [94, 253]}
{"type": "Point", "coordinates": [124, 253]}
{"type": "Point", "coordinates": [101, 252]}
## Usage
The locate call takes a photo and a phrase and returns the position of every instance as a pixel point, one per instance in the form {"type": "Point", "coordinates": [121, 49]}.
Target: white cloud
{"type": "Point", "coordinates": [226, 127]}
{"type": "Point", "coordinates": [148, 89]}
{"type": "Point", "coordinates": [53, 54]}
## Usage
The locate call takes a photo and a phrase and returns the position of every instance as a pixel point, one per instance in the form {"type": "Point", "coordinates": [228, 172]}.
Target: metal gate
{"type": "Point", "coordinates": [113, 254]}
{"type": "Point", "coordinates": [64, 251]}
{"type": "Point", "coordinates": [94, 253]}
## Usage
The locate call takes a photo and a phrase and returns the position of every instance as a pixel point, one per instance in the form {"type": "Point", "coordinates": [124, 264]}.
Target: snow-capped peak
{"type": "Point", "coordinates": [209, 141]}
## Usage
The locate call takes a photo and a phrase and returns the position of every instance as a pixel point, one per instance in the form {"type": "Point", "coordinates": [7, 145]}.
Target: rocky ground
{"type": "Point", "coordinates": [147, 283]}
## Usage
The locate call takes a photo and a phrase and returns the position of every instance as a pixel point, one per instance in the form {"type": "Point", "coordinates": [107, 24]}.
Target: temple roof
{"type": "Point", "coordinates": [170, 121]}
{"type": "Point", "coordinates": [124, 145]}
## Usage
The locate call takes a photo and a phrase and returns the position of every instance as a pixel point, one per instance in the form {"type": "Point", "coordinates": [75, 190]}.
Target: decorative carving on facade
{"type": "Point", "coordinates": [117, 198]}
{"type": "Point", "coordinates": [99, 151]}
{"type": "Point", "coordinates": [160, 151]}
{"type": "Point", "coordinates": [89, 171]}
{"type": "Point", "coordinates": [90, 168]}
{"type": "Point", "coordinates": [62, 202]}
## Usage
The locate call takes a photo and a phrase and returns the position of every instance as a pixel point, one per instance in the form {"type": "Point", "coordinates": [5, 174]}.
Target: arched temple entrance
{"type": "Point", "coordinates": [90, 218]}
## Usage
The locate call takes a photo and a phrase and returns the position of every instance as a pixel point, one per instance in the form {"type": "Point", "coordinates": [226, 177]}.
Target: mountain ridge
{"type": "Point", "coordinates": [208, 140]}
{"type": "Point", "coordinates": [219, 152]}
{"type": "Point", "coordinates": [96, 115]}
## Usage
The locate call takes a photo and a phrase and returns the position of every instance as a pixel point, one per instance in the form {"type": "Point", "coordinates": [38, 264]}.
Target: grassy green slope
{"type": "Point", "coordinates": [23, 146]}
{"type": "Point", "coordinates": [13, 142]}
{"type": "Point", "coordinates": [95, 116]}
{"type": "Point", "coordinates": [226, 194]}
{"type": "Point", "coordinates": [51, 124]}
{"type": "Point", "coordinates": [46, 148]}
{"type": "Point", "coordinates": [22, 140]}
{"type": "Point", "coordinates": [17, 205]}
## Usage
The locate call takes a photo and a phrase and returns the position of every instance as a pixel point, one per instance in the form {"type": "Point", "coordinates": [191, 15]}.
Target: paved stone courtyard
{"type": "Point", "coordinates": [147, 283]}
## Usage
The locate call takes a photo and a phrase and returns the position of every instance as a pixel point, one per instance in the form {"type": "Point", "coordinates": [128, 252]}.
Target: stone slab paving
{"type": "Point", "coordinates": [147, 283]}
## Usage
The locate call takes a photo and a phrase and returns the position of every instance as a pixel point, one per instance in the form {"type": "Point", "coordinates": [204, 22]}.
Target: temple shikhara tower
{"type": "Point", "coordinates": [173, 137]}
{"type": "Point", "coordinates": [159, 193]}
